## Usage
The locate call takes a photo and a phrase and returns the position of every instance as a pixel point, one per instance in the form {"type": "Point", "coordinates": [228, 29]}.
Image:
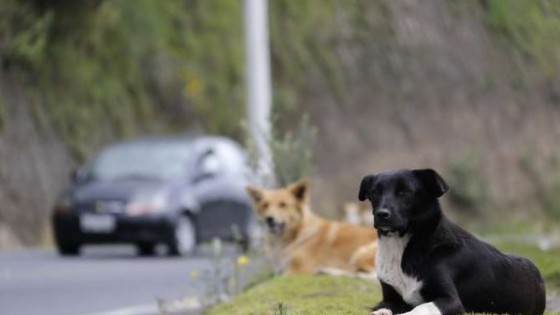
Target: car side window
{"type": "Point", "coordinates": [210, 163]}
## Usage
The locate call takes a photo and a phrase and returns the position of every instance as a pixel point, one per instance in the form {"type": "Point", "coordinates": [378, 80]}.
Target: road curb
{"type": "Point", "coordinates": [188, 306]}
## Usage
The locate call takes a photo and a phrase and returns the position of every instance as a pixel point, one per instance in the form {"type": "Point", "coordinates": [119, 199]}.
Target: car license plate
{"type": "Point", "coordinates": [95, 223]}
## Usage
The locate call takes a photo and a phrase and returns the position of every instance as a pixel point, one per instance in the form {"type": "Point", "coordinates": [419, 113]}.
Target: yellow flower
{"type": "Point", "coordinates": [193, 87]}
{"type": "Point", "coordinates": [190, 302]}
{"type": "Point", "coordinates": [194, 274]}
{"type": "Point", "coordinates": [242, 260]}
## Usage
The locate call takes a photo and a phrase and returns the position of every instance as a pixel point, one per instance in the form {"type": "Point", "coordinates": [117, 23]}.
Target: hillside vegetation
{"type": "Point", "coordinates": [471, 88]}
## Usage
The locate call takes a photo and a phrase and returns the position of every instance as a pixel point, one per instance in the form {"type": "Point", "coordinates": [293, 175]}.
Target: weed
{"type": "Point", "coordinates": [293, 152]}
{"type": "Point", "coordinates": [281, 309]}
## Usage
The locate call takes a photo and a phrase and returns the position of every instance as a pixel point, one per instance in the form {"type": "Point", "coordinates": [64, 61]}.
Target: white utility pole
{"type": "Point", "coordinates": [257, 56]}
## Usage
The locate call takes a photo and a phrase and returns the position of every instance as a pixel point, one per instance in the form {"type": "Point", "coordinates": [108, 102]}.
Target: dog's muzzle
{"type": "Point", "coordinates": [274, 227]}
{"type": "Point", "coordinates": [383, 220]}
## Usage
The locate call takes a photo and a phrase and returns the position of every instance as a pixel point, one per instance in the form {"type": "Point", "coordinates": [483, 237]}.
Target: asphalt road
{"type": "Point", "coordinates": [100, 280]}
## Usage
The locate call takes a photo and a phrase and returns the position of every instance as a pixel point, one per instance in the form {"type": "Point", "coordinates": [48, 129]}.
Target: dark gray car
{"type": "Point", "coordinates": [176, 191]}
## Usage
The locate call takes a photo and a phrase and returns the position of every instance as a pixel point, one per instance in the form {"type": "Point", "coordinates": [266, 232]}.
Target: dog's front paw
{"type": "Point", "coordinates": [383, 311]}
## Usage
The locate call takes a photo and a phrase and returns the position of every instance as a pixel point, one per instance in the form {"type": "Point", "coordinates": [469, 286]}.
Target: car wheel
{"type": "Point", "coordinates": [146, 249]}
{"type": "Point", "coordinates": [245, 244]}
{"type": "Point", "coordinates": [68, 249]}
{"type": "Point", "coordinates": [184, 236]}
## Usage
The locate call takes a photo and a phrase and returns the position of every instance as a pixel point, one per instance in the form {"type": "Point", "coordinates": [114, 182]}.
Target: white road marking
{"type": "Point", "coordinates": [169, 307]}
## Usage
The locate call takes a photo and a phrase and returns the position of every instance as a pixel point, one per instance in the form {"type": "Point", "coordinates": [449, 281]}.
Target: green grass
{"type": "Point", "coordinates": [304, 295]}
{"type": "Point", "coordinates": [310, 295]}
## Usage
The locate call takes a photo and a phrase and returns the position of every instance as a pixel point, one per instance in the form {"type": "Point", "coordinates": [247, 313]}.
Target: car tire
{"type": "Point", "coordinates": [245, 245]}
{"type": "Point", "coordinates": [68, 249]}
{"type": "Point", "coordinates": [146, 249]}
{"type": "Point", "coordinates": [184, 237]}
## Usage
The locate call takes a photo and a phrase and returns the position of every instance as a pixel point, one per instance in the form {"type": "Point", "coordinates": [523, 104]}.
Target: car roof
{"type": "Point", "coordinates": [155, 140]}
{"type": "Point", "coordinates": [197, 140]}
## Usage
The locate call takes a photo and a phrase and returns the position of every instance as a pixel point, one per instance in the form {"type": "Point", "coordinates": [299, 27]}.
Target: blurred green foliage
{"type": "Point", "coordinates": [295, 47]}
{"type": "Point", "coordinates": [468, 188]}
{"type": "Point", "coordinates": [23, 34]}
{"type": "Point", "coordinates": [533, 26]}
{"type": "Point", "coordinates": [106, 69]}
{"type": "Point", "coordinates": [305, 38]}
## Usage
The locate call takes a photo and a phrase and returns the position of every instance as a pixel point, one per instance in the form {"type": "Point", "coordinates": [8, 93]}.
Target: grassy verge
{"type": "Point", "coordinates": [310, 295]}
{"type": "Point", "coordinates": [304, 295]}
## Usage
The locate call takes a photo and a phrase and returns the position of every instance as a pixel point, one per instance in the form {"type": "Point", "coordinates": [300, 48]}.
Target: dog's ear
{"type": "Point", "coordinates": [365, 187]}
{"type": "Point", "coordinates": [255, 193]}
{"type": "Point", "coordinates": [432, 181]}
{"type": "Point", "coordinates": [300, 189]}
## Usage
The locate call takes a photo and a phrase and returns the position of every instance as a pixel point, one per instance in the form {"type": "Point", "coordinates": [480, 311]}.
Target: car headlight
{"type": "Point", "coordinates": [63, 205]}
{"type": "Point", "coordinates": [146, 203]}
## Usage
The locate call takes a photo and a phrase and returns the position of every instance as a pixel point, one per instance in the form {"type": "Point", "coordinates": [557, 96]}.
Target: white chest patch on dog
{"type": "Point", "coordinates": [388, 260]}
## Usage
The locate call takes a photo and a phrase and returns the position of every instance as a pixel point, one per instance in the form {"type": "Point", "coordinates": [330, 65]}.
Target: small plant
{"type": "Point", "coordinates": [293, 152]}
{"type": "Point", "coordinates": [281, 309]}
{"type": "Point", "coordinates": [469, 190]}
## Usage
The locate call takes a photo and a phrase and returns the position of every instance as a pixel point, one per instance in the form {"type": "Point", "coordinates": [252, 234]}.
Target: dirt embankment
{"type": "Point", "coordinates": [34, 165]}
{"type": "Point", "coordinates": [439, 88]}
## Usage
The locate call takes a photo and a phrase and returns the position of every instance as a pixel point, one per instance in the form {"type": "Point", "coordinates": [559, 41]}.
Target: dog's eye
{"type": "Point", "coordinates": [403, 192]}
{"type": "Point", "coordinates": [265, 204]}
{"type": "Point", "coordinates": [282, 205]}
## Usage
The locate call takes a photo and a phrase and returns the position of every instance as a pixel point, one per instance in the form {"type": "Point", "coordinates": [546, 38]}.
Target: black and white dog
{"type": "Point", "coordinates": [427, 265]}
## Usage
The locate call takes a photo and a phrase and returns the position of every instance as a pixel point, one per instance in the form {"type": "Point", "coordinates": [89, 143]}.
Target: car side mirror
{"type": "Point", "coordinates": [207, 166]}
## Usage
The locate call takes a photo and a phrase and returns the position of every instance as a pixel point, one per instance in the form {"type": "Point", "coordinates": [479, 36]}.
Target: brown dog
{"type": "Point", "coordinates": [357, 213]}
{"type": "Point", "coordinates": [308, 243]}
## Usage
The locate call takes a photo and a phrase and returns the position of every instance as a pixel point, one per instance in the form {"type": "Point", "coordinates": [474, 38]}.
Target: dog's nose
{"type": "Point", "coordinates": [382, 214]}
{"type": "Point", "coordinates": [269, 221]}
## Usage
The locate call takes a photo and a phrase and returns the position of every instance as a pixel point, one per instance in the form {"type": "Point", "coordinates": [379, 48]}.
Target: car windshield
{"type": "Point", "coordinates": [142, 160]}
